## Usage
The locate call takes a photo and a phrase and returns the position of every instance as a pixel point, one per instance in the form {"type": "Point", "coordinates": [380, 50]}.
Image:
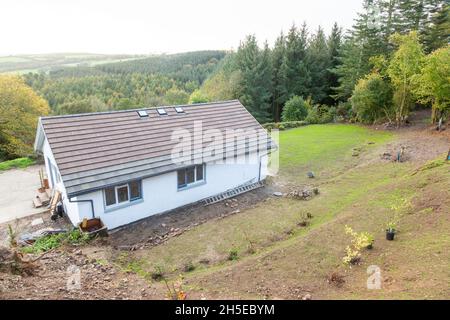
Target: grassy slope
{"type": "Point", "coordinates": [16, 163]}
{"type": "Point", "coordinates": [292, 260]}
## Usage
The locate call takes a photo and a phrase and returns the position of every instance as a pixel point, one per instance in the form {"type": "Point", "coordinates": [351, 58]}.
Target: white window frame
{"type": "Point", "coordinates": [116, 194]}
{"type": "Point", "coordinates": [196, 182]}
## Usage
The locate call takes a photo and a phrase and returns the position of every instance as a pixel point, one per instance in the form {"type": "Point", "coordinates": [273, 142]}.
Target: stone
{"type": "Point", "coordinates": [37, 222]}
{"type": "Point", "coordinates": [307, 297]}
{"type": "Point", "coordinates": [278, 194]}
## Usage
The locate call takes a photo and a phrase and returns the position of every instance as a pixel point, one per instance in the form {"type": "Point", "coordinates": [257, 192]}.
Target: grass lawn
{"type": "Point", "coordinates": [16, 163]}
{"type": "Point", "coordinates": [324, 149]}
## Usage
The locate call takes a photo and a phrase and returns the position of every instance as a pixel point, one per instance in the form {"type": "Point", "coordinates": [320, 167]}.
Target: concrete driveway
{"type": "Point", "coordinates": [17, 190]}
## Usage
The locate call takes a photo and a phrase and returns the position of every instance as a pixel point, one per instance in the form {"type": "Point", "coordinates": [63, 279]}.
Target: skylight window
{"type": "Point", "coordinates": [161, 111]}
{"type": "Point", "coordinates": [142, 113]}
{"type": "Point", "coordinates": [179, 109]}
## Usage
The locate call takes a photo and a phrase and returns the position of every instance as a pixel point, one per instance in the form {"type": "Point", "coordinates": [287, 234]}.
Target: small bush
{"type": "Point", "coordinates": [46, 243]}
{"type": "Point", "coordinates": [284, 125]}
{"type": "Point", "coordinates": [188, 267]}
{"type": "Point", "coordinates": [233, 254]}
{"type": "Point", "coordinates": [313, 116]}
{"type": "Point", "coordinates": [359, 241]}
{"type": "Point", "coordinates": [295, 109]}
{"type": "Point", "coordinates": [158, 273]}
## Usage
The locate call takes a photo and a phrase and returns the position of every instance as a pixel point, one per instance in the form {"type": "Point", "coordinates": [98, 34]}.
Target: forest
{"type": "Point", "coordinates": [395, 57]}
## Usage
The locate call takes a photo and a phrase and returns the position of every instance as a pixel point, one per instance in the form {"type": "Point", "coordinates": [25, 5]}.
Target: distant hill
{"type": "Point", "coordinates": [48, 62]}
{"type": "Point", "coordinates": [165, 63]}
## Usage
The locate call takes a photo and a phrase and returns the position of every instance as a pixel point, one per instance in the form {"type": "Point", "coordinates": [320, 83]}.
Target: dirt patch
{"type": "Point", "coordinates": [56, 278]}
{"type": "Point", "coordinates": [158, 228]}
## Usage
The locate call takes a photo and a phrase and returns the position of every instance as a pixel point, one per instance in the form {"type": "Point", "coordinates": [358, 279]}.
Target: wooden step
{"type": "Point", "coordinates": [37, 203]}
{"type": "Point", "coordinates": [43, 198]}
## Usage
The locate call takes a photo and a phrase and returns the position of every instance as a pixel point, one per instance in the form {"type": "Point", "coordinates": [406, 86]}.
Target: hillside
{"type": "Point", "coordinates": [48, 62]}
{"type": "Point", "coordinates": [134, 83]}
{"type": "Point", "coordinates": [261, 246]}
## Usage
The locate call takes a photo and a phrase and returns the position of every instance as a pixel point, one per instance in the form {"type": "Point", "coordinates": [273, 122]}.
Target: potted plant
{"type": "Point", "coordinates": [390, 230]}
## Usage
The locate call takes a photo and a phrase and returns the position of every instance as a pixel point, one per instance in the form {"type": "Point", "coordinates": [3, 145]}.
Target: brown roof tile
{"type": "Point", "coordinates": [95, 150]}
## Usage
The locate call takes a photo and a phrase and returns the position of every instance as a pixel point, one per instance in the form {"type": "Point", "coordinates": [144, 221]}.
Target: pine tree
{"type": "Point", "coordinates": [437, 31]}
{"type": "Point", "coordinates": [296, 72]}
{"type": "Point", "coordinates": [279, 77]}
{"type": "Point", "coordinates": [334, 43]}
{"type": "Point", "coordinates": [319, 63]}
{"type": "Point", "coordinates": [254, 84]}
{"type": "Point", "coordinates": [362, 43]}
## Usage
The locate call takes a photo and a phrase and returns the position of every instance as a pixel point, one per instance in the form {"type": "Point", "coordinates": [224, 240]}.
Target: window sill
{"type": "Point", "coordinates": [123, 205]}
{"type": "Point", "coordinates": [192, 185]}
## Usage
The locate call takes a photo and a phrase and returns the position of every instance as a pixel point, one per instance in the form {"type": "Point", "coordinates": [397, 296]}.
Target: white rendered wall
{"type": "Point", "coordinates": [70, 208]}
{"type": "Point", "coordinates": [160, 193]}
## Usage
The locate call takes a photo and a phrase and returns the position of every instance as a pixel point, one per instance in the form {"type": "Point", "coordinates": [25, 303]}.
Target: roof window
{"type": "Point", "coordinates": [142, 113]}
{"type": "Point", "coordinates": [161, 111]}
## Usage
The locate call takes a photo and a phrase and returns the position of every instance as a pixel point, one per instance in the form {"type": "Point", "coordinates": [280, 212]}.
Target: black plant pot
{"type": "Point", "coordinates": [370, 246]}
{"type": "Point", "coordinates": [390, 235]}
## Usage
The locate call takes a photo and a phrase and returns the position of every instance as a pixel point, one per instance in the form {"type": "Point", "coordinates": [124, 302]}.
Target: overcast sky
{"type": "Point", "coordinates": [156, 26]}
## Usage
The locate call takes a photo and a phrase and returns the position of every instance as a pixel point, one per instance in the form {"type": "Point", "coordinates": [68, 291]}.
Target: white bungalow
{"type": "Point", "coordinates": [123, 166]}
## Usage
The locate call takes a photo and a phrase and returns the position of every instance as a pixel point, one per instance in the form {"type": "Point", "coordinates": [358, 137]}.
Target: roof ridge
{"type": "Point", "coordinates": [137, 109]}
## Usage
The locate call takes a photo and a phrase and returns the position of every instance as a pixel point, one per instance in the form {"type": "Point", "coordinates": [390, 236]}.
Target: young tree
{"type": "Point", "coordinates": [432, 85]}
{"type": "Point", "coordinates": [405, 64]}
{"type": "Point", "coordinates": [372, 98]}
{"type": "Point", "coordinates": [20, 108]}
{"type": "Point", "coordinates": [295, 109]}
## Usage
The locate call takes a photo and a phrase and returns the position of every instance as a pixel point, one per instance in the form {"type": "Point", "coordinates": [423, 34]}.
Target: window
{"type": "Point", "coordinates": [142, 113]}
{"type": "Point", "coordinates": [135, 190]}
{"type": "Point", "coordinates": [179, 109]}
{"type": "Point", "coordinates": [122, 194]}
{"type": "Point", "coordinates": [110, 196]}
{"type": "Point", "coordinates": [190, 176]}
{"type": "Point", "coordinates": [161, 111]}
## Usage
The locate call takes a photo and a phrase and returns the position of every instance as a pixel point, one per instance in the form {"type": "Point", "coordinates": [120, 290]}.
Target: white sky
{"type": "Point", "coordinates": [156, 26]}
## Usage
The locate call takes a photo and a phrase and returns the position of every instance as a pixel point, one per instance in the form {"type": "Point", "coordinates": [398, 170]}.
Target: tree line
{"type": "Point", "coordinates": [357, 74]}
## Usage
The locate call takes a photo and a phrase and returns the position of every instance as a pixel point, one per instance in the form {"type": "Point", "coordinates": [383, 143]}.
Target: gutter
{"type": "Point", "coordinates": [81, 201]}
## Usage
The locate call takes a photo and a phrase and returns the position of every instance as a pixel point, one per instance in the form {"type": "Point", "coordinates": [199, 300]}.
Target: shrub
{"type": "Point", "coordinates": [233, 254]}
{"type": "Point", "coordinates": [372, 98]}
{"type": "Point", "coordinates": [313, 116]}
{"type": "Point", "coordinates": [46, 243]}
{"type": "Point", "coordinates": [188, 267]}
{"type": "Point", "coordinates": [359, 241]}
{"type": "Point", "coordinates": [158, 273]}
{"type": "Point", "coordinates": [295, 109]}
{"type": "Point", "coordinates": [284, 125]}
